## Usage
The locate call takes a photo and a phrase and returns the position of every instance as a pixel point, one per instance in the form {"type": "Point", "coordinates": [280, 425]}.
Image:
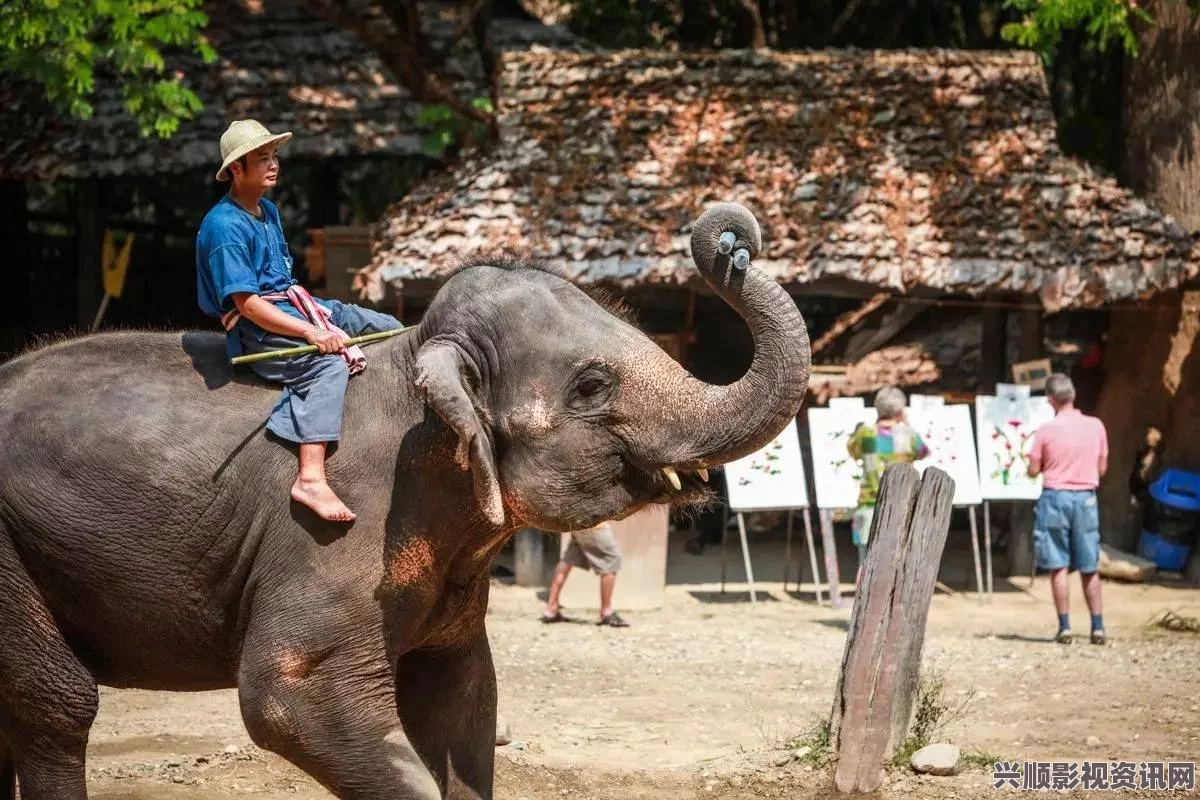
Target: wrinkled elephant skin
{"type": "Point", "coordinates": [147, 538]}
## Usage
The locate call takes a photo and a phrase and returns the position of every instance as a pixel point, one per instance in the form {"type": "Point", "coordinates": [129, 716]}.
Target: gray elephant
{"type": "Point", "coordinates": [143, 541]}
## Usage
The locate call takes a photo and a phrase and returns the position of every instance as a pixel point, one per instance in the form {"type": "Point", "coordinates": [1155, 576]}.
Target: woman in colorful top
{"type": "Point", "coordinates": [890, 440]}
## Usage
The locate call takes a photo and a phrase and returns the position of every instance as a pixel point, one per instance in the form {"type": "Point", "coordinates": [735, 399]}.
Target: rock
{"type": "Point", "coordinates": [937, 759]}
{"type": "Point", "coordinates": [503, 732]}
{"type": "Point", "coordinates": [737, 781]}
{"type": "Point", "coordinates": [231, 750]}
{"type": "Point", "coordinates": [1094, 742]}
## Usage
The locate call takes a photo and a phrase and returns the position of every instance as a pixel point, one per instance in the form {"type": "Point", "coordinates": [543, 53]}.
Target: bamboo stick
{"type": "Point", "coordinates": [312, 348]}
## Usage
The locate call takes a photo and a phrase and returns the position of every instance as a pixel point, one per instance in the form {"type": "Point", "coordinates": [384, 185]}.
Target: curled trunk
{"type": "Point", "coordinates": [724, 423]}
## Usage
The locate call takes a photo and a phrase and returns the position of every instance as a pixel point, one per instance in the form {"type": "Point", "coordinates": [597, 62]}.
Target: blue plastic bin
{"type": "Point", "coordinates": [1178, 490]}
{"type": "Point", "coordinates": [1166, 554]}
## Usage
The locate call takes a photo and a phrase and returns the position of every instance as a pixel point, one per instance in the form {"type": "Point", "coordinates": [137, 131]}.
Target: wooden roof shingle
{"type": "Point", "coordinates": [892, 169]}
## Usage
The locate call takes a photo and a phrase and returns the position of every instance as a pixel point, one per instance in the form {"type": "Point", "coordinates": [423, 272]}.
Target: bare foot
{"type": "Point", "coordinates": [320, 498]}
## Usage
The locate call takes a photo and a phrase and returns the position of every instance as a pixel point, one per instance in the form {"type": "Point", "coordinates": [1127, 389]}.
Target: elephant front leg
{"type": "Point", "coordinates": [333, 715]}
{"type": "Point", "coordinates": [447, 702]}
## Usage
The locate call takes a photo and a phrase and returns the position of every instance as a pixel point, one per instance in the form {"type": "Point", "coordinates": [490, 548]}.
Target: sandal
{"type": "Point", "coordinates": [555, 617]}
{"type": "Point", "coordinates": [614, 620]}
{"type": "Point", "coordinates": [1098, 637]}
{"type": "Point", "coordinates": [1064, 636]}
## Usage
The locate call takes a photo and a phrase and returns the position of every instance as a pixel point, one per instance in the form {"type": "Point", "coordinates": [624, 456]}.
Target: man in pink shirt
{"type": "Point", "coordinates": [1071, 454]}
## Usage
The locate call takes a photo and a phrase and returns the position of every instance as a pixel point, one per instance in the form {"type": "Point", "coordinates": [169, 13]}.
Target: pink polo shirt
{"type": "Point", "coordinates": [1068, 450]}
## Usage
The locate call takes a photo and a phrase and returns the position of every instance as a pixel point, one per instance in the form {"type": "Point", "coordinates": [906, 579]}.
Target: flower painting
{"type": "Point", "coordinates": [770, 479]}
{"type": "Point", "coordinates": [948, 433]}
{"type": "Point", "coordinates": [835, 472]}
{"type": "Point", "coordinates": [1006, 426]}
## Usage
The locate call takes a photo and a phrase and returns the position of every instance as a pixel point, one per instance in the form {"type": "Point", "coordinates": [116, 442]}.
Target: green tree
{"type": "Point", "coordinates": [63, 45]}
{"type": "Point", "coordinates": [1045, 21]}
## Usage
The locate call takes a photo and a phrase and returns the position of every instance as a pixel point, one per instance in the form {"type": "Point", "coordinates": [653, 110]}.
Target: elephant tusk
{"type": "Point", "coordinates": [673, 477]}
{"type": "Point", "coordinates": [703, 473]}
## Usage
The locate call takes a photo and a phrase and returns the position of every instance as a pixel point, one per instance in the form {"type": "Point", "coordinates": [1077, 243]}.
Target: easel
{"type": "Point", "coordinates": [987, 533]}
{"type": "Point", "coordinates": [787, 558]}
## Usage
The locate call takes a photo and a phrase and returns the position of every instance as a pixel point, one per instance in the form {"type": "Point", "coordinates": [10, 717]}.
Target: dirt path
{"type": "Point", "coordinates": [697, 700]}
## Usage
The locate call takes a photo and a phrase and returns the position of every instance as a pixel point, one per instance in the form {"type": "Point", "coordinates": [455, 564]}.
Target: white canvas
{"type": "Point", "coordinates": [835, 473]}
{"type": "Point", "coordinates": [772, 478]}
{"type": "Point", "coordinates": [919, 402]}
{"type": "Point", "coordinates": [846, 403]}
{"type": "Point", "coordinates": [948, 434]}
{"type": "Point", "coordinates": [1005, 428]}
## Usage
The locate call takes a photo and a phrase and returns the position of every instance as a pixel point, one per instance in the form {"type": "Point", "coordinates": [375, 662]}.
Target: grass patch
{"type": "Point", "coordinates": [814, 748]}
{"type": "Point", "coordinates": [982, 761]}
{"type": "Point", "coordinates": [933, 714]}
{"type": "Point", "coordinates": [1169, 620]}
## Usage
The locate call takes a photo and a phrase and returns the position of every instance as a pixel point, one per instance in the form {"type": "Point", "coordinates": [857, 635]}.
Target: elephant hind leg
{"type": "Point", "coordinates": [49, 698]}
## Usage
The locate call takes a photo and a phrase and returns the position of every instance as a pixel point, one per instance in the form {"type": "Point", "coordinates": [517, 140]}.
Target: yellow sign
{"type": "Point", "coordinates": [114, 265]}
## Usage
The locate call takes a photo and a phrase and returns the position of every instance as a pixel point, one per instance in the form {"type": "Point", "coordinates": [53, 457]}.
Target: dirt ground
{"type": "Point", "coordinates": [700, 698]}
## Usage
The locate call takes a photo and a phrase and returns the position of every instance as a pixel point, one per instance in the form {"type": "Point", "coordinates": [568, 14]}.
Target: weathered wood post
{"type": "Point", "coordinates": [881, 663]}
{"type": "Point", "coordinates": [529, 548]}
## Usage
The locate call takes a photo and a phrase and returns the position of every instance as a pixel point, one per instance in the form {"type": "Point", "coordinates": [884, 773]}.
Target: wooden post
{"type": "Point", "coordinates": [881, 662]}
{"type": "Point", "coordinates": [91, 212]}
{"type": "Point", "coordinates": [529, 548]}
{"type": "Point", "coordinates": [829, 545]}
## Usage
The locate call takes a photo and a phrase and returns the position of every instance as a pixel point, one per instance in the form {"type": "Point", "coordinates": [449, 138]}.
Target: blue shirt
{"type": "Point", "coordinates": [238, 252]}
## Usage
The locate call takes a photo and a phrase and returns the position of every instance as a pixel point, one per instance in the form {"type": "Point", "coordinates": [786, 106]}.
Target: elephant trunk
{"type": "Point", "coordinates": [699, 424]}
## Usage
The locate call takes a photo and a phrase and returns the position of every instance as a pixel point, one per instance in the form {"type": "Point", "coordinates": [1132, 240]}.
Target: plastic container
{"type": "Point", "coordinates": [1172, 520]}
{"type": "Point", "coordinates": [1177, 489]}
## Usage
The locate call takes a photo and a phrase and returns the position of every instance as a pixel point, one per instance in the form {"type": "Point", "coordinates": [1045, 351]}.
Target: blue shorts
{"type": "Point", "coordinates": [1066, 531]}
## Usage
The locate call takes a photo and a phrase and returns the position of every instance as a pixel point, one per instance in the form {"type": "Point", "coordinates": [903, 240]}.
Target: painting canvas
{"type": "Point", "coordinates": [835, 473]}
{"type": "Point", "coordinates": [772, 478]}
{"type": "Point", "coordinates": [1005, 427]}
{"type": "Point", "coordinates": [948, 433]}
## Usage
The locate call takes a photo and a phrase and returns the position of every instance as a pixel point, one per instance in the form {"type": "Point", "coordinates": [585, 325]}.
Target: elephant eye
{"type": "Point", "coordinates": [591, 386]}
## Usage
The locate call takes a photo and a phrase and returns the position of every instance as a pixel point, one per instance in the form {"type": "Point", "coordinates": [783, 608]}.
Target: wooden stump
{"type": "Point", "coordinates": [529, 548]}
{"type": "Point", "coordinates": [881, 662]}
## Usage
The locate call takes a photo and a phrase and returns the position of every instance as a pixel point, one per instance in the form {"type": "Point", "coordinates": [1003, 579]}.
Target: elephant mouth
{"type": "Point", "coordinates": [669, 487]}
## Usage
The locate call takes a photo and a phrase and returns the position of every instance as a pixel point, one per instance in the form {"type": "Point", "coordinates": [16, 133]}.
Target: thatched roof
{"type": "Point", "coordinates": [277, 63]}
{"type": "Point", "coordinates": [898, 169]}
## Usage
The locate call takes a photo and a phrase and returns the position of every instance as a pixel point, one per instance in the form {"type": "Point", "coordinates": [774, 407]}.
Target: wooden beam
{"type": "Point", "coordinates": [847, 321]}
{"type": "Point", "coordinates": [882, 659]}
{"type": "Point", "coordinates": [91, 214]}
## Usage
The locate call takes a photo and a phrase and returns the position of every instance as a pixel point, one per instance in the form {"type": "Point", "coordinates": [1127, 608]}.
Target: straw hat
{"type": "Point", "coordinates": [243, 136]}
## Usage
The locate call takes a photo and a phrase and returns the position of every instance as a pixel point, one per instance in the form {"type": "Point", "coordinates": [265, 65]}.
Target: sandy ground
{"type": "Point", "coordinates": [701, 697]}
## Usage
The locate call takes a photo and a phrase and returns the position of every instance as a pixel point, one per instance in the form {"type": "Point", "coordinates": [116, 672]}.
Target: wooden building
{"type": "Point", "coordinates": [915, 203]}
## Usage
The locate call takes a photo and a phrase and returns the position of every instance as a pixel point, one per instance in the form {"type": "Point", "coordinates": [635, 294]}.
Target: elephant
{"type": "Point", "coordinates": [148, 540]}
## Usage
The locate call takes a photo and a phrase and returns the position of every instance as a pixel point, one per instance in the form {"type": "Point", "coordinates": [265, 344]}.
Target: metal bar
{"type": "Point", "coordinates": [746, 556]}
{"type": "Point", "coordinates": [787, 554]}
{"type": "Point", "coordinates": [975, 548]}
{"type": "Point", "coordinates": [987, 548]}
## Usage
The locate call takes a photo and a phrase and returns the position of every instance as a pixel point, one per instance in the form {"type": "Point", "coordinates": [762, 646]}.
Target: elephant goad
{"type": "Point", "coordinates": [147, 538]}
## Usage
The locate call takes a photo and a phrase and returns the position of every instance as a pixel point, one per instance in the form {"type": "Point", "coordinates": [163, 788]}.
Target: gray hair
{"type": "Point", "coordinates": [889, 402]}
{"type": "Point", "coordinates": [1059, 387]}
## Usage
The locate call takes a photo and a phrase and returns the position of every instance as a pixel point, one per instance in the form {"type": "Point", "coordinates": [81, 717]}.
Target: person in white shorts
{"type": "Point", "coordinates": [595, 549]}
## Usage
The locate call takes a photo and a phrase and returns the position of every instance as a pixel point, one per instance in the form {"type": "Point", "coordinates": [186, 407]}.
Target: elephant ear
{"type": "Point", "coordinates": [441, 369]}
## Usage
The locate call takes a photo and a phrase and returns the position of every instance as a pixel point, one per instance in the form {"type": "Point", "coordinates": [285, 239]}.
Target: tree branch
{"type": "Point", "coordinates": [404, 50]}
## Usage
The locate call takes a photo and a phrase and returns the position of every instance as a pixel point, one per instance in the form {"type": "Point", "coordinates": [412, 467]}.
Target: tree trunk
{"type": "Point", "coordinates": [1152, 366]}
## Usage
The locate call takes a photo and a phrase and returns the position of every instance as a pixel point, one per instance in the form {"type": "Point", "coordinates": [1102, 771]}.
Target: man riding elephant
{"type": "Point", "coordinates": [147, 538]}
